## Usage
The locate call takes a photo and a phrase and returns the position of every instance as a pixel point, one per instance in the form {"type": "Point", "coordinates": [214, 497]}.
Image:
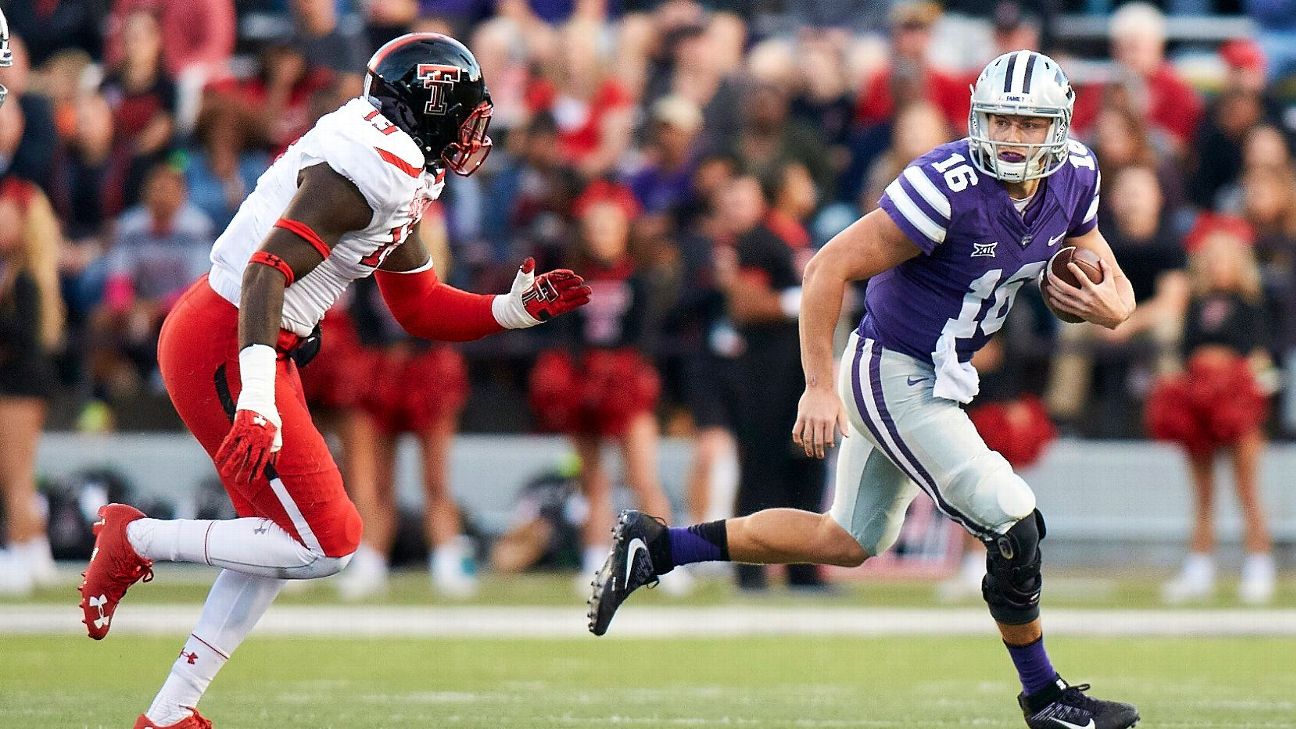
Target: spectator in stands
{"type": "Point", "coordinates": [1241, 107]}
{"type": "Point", "coordinates": [594, 112]}
{"type": "Point", "coordinates": [662, 183]}
{"type": "Point", "coordinates": [768, 138]}
{"type": "Point", "coordinates": [196, 35]}
{"type": "Point", "coordinates": [1220, 403]}
{"type": "Point", "coordinates": [224, 168]}
{"type": "Point", "coordinates": [31, 323]}
{"type": "Point", "coordinates": [822, 97]}
{"type": "Point", "coordinates": [1015, 28]}
{"type": "Point", "coordinates": [501, 46]}
{"type": "Point", "coordinates": [761, 279]}
{"type": "Point", "coordinates": [1169, 104]}
{"type": "Point", "coordinates": [911, 34]}
{"type": "Point", "coordinates": [30, 160]}
{"type": "Point", "coordinates": [50, 26]}
{"type": "Point", "coordinates": [82, 169]}
{"type": "Point", "coordinates": [1121, 138]}
{"type": "Point", "coordinates": [143, 101]}
{"type": "Point", "coordinates": [277, 99]}
{"type": "Point", "coordinates": [161, 248]}
{"type": "Point", "coordinates": [1269, 207]}
{"type": "Point", "coordinates": [918, 128]}
{"type": "Point", "coordinates": [1154, 262]}
{"type": "Point", "coordinates": [422, 392]}
{"type": "Point", "coordinates": [532, 192]}
{"type": "Point", "coordinates": [326, 41]}
{"type": "Point", "coordinates": [598, 382]}
{"type": "Point", "coordinates": [1277, 34]}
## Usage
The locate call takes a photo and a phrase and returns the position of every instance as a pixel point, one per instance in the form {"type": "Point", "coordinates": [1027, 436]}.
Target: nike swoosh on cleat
{"type": "Point", "coordinates": [636, 545]}
{"type": "Point", "coordinates": [1069, 725]}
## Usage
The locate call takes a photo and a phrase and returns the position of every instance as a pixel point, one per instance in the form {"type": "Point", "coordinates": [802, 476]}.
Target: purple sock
{"type": "Point", "coordinates": [1033, 666]}
{"type": "Point", "coordinates": [692, 545]}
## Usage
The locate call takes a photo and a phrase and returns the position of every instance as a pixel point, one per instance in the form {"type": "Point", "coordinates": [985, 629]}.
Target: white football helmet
{"type": "Point", "coordinates": [1022, 83]}
{"type": "Point", "coordinates": [6, 55]}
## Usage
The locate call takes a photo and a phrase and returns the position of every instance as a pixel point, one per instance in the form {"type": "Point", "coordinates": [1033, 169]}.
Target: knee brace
{"type": "Point", "coordinates": [987, 491]}
{"type": "Point", "coordinates": [1012, 583]}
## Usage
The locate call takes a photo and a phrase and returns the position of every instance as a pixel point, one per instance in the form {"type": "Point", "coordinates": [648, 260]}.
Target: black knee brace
{"type": "Point", "coordinates": [1012, 583]}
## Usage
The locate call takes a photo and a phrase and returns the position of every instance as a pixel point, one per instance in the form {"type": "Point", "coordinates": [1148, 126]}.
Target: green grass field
{"type": "Point", "coordinates": [765, 682]}
{"type": "Point", "coordinates": [58, 681]}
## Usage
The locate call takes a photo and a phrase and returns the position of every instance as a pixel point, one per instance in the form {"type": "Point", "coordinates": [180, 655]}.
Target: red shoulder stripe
{"type": "Point", "coordinates": [304, 232]}
{"type": "Point", "coordinates": [399, 163]}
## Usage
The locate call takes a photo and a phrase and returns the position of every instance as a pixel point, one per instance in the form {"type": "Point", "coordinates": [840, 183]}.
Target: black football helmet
{"type": "Point", "coordinates": [6, 55]}
{"type": "Point", "coordinates": [431, 87]}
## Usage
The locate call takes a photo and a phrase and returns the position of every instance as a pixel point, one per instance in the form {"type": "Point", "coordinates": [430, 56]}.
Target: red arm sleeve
{"type": "Point", "coordinates": [429, 309]}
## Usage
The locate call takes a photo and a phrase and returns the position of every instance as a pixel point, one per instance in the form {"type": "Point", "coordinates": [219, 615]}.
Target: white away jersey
{"type": "Point", "coordinates": [383, 162]}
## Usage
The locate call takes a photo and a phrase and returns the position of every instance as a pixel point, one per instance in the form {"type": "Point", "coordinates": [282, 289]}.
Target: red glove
{"type": "Point", "coordinates": [535, 299]}
{"type": "Point", "coordinates": [249, 447]}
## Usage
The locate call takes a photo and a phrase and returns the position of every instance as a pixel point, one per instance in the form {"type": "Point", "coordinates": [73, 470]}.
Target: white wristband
{"type": "Point", "coordinates": [511, 313]}
{"type": "Point", "coordinates": [257, 370]}
{"type": "Point", "coordinates": [790, 302]}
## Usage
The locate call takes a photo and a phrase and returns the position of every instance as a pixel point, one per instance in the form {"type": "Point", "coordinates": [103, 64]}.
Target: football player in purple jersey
{"type": "Point", "coordinates": [957, 234]}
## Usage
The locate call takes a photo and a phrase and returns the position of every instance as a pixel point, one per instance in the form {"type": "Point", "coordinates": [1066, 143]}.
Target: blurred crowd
{"type": "Point", "coordinates": [144, 124]}
{"type": "Point", "coordinates": [675, 152]}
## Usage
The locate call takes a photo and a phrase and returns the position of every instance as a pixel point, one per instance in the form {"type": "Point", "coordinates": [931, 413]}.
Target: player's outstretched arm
{"type": "Point", "coordinates": [1107, 304]}
{"type": "Point", "coordinates": [326, 206]}
{"type": "Point", "coordinates": [430, 309]}
{"type": "Point", "coordinates": [871, 245]}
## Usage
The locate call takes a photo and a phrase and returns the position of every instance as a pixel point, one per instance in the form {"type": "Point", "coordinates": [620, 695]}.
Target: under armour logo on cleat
{"type": "Point", "coordinates": [98, 602]}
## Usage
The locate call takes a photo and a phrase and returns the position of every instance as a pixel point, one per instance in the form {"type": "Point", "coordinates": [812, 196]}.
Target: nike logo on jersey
{"type": "Point", "coordinates": [984, 249]}
{"type": "Point", "coordinates": [915, 380]}
{"type": "Point", "coordinates": [1054, 241]}
{"type": "Point", "coordinates": [636, 546]}
{"type": "Point", "coordinates": [1069, 725]}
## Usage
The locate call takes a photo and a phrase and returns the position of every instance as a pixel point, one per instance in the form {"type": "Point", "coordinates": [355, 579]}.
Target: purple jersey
{"type": "Point", "coordinates": [943, 306]}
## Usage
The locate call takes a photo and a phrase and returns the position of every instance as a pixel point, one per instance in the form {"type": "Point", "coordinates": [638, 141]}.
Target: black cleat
{"type": "Point", "coordinates": [628, 567]}
{"type": "Point", "coordinates": [1061, 706]}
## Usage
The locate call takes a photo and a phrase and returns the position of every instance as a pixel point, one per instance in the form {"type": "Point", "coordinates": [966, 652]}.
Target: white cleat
{"type": "Point", "coordinates": [453, 569]}
{"type": "Point", "coordinates": [1259, 579]}
{"type": "Point", "coordinates": [1194, 583]}
{"type": "Point", "coordinates": [15, 576]}
{"type": "Point", "coordinates": [365, 577]}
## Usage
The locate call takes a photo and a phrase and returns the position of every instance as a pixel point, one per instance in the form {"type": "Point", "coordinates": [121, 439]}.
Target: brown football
{"type": "Point", "coordinates": [1086, 259]}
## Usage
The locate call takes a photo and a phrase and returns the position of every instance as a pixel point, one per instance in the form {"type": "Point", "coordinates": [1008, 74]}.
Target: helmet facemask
{"type": "Point", "coordinates": [464, 156]}
{"type": "Point", "coordinates": [1020, 83]}
{"type": "Point", "coordinates": [1041, 160]}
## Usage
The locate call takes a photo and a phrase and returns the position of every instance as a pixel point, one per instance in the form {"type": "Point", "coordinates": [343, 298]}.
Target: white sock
{"type": "Point", "coordinates": [234, 605]}
{"type": "Point", "coordinates": [974, 565]}
{"type": "Point", "coordinates": [37, 553]}
{"type": "Point", "coordinates": [1199, 567]}
{"type": "Point", "coordinates": [251, 545]}
{"type": "Point", "coordinates": [593, 559]}
{"type": "Point", "coordinates": [1258, 566]}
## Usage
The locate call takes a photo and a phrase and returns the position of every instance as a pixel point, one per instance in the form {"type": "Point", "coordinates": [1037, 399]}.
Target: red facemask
{"type": "Point", "coordinates": [467, 154]}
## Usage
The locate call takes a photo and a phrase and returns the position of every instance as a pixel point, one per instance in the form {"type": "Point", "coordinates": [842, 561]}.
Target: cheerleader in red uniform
{"type": "Point", "coordinates": [1219, 403]}
{"type": "Point", "coordinates": [596, 384]}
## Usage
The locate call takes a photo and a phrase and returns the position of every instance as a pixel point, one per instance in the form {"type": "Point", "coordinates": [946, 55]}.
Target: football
{"type": "Point", "coordinates": [1086, 259]}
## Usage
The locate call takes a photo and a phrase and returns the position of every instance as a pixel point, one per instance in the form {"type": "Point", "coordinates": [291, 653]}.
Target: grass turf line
{"type": "Point", "coordinates": [750, 682]}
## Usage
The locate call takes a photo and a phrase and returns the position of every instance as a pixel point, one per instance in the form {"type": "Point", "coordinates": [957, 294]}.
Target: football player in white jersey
{"type": "Point", "coordinates": [343, 202]}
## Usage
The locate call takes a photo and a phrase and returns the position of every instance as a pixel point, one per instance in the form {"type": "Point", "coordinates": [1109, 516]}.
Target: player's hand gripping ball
{"type": "Point", "coordinates": [1088, 263]}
